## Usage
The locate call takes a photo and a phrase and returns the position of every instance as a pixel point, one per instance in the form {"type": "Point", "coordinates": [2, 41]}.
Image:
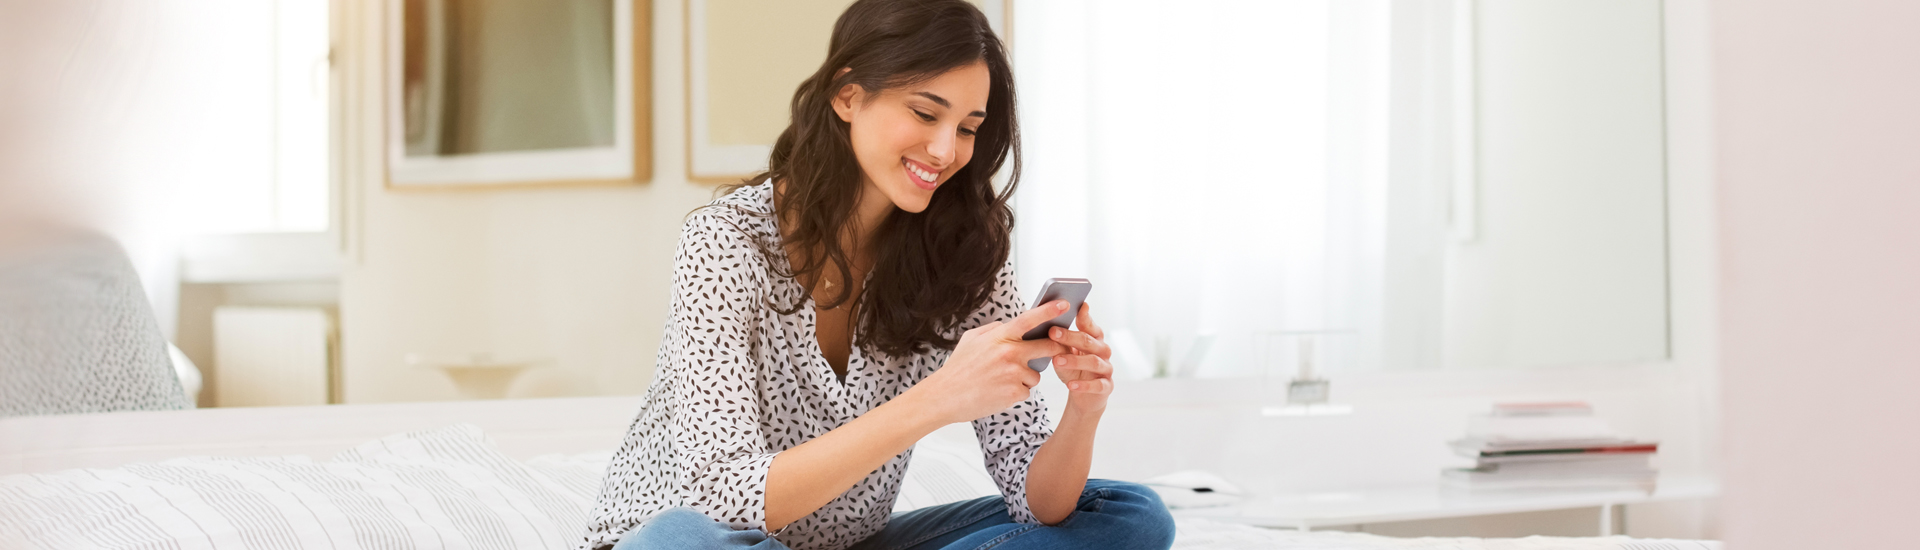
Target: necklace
{"type": "Point", "coordinates": [826, 285]}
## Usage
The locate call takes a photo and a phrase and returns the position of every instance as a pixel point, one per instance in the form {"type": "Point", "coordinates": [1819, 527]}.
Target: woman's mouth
{"type": "Point", "coordinates": [922, 175]}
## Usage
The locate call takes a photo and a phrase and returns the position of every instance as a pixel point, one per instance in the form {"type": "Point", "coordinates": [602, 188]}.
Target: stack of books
{"type": "Point", "coordinates": [1528, 446]}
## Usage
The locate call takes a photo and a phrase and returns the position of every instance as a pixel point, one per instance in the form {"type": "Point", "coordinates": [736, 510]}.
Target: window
{"type": "Point", "coordinates": [256, 205]}
{"type": "Point", "coordinates": [1372, 184]}
{"type": "Point", "coordinates": [270, 77]}
{"type": "Point", "coordinates": [1213, 167]}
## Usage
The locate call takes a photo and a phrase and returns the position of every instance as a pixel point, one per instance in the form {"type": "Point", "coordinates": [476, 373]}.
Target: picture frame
{"type": "Point", "coordinates": [450, 121]}
{"type": "Point", "coordinates": [744, 60]}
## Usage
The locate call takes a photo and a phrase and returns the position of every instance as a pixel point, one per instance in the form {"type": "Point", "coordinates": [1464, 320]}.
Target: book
{"type": "Point", "coordinates": [1560, 457]}
{"type": "Point", "coordinates": [1557, 408]}
{"type": "Point", "coordinates": [1500, 475]}
{"type": "Point", "coordinates": [1537, 427]}
{"type": "Point", "coordinates": [1558, 445]}
{"type": "Point", "coordinates": [1626, 464]}
{"type": "Point", "coordinates": [1481, 449]}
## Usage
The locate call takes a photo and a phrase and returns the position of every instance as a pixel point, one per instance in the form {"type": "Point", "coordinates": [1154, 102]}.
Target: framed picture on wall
{"type": "Point", "coordinates": [744, 60]}
{"type": "Point", "coordinates": [493, 93]}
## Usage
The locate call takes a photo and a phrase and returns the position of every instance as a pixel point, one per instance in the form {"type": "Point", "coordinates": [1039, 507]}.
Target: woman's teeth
{"type": "Point", "coordinates": [922, 174]}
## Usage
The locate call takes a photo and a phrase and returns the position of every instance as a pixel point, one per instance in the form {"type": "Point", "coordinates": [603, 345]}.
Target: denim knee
{"type": "Point", "coordinates": [685, 527]}
{"type": "Point", "coordinates": [680, 518]}
{"type": "Point", "coordinates": [1145, 519]}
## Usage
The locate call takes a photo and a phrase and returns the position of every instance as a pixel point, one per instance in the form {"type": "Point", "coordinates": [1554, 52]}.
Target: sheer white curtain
{"type": "Point", "coordinates": [1216, 167]}
{"type": "Point", "coordinates": [155, 121]}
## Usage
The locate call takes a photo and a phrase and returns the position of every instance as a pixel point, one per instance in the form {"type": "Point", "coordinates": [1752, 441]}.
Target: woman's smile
{"type": "Point", "coordinates": [922, 175]}
{"type": "Point", "coordinates": [910, 139]}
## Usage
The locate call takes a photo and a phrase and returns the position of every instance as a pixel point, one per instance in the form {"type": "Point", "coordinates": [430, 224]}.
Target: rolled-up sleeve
{"type": "Point", "coordinates": [722, 455]}
{"type": "Point", "coordinates": [1010, 438]}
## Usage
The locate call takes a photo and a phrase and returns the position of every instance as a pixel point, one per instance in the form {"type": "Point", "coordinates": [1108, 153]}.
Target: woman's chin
{"type": "Point", "coordinates": [912, 206]}
{"type": "Point", "coordinates": [912, 198]}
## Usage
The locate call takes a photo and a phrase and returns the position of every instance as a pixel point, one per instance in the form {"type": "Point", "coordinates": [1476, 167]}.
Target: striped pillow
{"type": "Point", "coordinates": [444, 488]}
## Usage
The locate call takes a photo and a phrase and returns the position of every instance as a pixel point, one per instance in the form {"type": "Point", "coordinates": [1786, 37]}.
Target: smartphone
{"type": "Point", "coordinates": [1074, 291]}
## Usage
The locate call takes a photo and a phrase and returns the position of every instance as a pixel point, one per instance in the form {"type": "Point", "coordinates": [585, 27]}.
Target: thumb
{"type": "Point", "coordinates": [1017, 328]}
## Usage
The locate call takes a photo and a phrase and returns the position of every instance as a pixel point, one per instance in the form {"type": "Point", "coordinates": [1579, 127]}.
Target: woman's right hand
{"type": "Point", "coordinates": [987, 371]}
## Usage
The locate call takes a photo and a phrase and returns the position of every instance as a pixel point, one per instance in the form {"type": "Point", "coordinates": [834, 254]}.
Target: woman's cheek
{"type": "Point", "coordinates": [906, 134]}
{"type": "Point", "coordinates": [961, 157]}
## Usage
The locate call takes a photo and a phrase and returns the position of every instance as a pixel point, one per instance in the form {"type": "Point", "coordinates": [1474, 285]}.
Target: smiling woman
{"type": "Point", "coordinates": [832, 311]}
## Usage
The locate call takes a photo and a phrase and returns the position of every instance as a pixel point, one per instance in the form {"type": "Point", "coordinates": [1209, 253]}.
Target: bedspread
{"type": "Point", "coordinates": [451, 488]}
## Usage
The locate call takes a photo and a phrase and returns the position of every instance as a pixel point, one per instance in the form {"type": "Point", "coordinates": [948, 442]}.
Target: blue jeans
{"type": "Point", "coordinates": [1113, 515]}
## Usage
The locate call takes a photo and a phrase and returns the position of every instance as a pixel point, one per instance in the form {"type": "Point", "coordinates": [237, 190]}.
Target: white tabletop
{"type": "Point", "coordinates": [1307, 511]}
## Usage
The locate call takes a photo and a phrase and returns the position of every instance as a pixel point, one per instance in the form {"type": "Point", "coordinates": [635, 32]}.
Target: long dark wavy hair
{"type": "Point", "coordinates": [930, 269]}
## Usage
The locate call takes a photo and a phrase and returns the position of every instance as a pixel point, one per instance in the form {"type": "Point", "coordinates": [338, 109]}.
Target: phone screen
{"type": "Point", "coordinates": [1074, 291]}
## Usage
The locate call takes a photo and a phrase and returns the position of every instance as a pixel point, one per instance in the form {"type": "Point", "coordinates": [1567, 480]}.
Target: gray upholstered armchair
{"type": "Point", "coordinates": [76, 332]}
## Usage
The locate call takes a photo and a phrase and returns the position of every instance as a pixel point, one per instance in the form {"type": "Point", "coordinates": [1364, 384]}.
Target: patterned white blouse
{"type": "Point", "coordinates": [738, 382]}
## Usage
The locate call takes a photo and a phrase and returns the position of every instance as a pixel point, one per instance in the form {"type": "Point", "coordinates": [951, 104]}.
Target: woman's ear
{"type": "Point", "coordinates": [844, 99]}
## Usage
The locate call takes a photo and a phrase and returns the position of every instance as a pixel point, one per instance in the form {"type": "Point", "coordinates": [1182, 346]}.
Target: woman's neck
{"type": "Point", "coordinates": [856, 239]}
{"type": "Point", "coordinates": [872, 209]}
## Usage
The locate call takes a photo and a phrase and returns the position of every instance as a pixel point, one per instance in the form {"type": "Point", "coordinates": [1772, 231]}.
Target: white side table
{"type": "Point", "coordinates": [1308, 511]}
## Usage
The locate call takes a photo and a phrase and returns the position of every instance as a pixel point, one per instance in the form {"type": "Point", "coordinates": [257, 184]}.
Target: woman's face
{"type": "Point", "coordinates": [911, 139]}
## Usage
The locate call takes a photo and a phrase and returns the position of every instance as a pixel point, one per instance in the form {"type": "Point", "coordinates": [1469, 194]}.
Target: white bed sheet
{"type": "Point", "coordinates": [1204, 534]}
{"type": "Point", "coordinates": [452, 487]}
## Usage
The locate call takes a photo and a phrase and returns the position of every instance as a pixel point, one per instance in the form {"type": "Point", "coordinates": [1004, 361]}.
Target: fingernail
{"type": "Point", "coordinates": [1060, 305]}
{"type": "Point", "coordinates": [1059, 360]}
{"type": "Point", "coordinates": [1073, 385]}
{"type": "Point", "coordinates": [1056, 332]}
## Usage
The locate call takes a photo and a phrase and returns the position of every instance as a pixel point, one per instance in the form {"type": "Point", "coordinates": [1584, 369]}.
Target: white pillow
{"type": "Point", "coordinates": [444, 488]}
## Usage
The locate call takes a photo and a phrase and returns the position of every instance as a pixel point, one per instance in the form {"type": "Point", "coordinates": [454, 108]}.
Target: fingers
{"type": "Point", "coordinates": [1029, 377]}
{"type": "Point", "coordinates": [1081, 341]}
{"type": "Point", "coordinates": [1092, 365]}
{"type": "Point", "coordinates": [1084, 322]}
{"type": "Point", "coordinates": [1019, 326]}
{"type": "Point", "coordinates": [1026, 350]}
{"type": "Point", "coordinates": [1098, 386]}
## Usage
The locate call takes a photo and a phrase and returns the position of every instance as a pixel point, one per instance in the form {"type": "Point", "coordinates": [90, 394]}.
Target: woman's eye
{"type": "Point", "coordinates": [968, 132]}
{"type": "Point", "coordinates": [924, 116]}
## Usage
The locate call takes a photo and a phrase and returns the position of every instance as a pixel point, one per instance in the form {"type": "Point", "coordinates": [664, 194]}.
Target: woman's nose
{"type": "Point", "coordinates": [941, 146]}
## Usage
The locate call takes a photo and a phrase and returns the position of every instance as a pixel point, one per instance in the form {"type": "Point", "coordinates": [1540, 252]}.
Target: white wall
{"type": "Point", "coordinates": [576, 275]}
{"type": "Point", "coordinates": [1818, 136]}
{"type": "Point", "coordinates": [1567, 259]}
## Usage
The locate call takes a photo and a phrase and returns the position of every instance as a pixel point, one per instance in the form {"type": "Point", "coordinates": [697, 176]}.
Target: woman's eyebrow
{"type": "Point", "coordinates": [944, 103]}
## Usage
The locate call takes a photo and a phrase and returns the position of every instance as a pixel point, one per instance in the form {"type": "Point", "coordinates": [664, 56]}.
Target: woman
{"type": "Point", "coordinates": [857, 296]}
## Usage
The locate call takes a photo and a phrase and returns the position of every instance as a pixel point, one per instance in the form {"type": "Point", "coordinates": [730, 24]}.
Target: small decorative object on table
{"type": "Point", "coordinates": [1308, 388]}
{"type": "Point", "coordinates": [477, 375]}
{"type": "Point", "coordinates": [1307, 392]}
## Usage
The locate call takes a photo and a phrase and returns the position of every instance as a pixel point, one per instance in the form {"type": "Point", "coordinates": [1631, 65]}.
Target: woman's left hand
{"type": "Point", "coordinates": [1085, 367]}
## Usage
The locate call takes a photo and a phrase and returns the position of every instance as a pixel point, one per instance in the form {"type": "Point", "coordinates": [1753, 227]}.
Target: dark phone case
{"type": "Point", "coordinates": [1074, 291]}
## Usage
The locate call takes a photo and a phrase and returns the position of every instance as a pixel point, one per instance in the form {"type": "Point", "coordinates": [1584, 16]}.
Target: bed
{"type": "Point", "coordinates": [492, 474]}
